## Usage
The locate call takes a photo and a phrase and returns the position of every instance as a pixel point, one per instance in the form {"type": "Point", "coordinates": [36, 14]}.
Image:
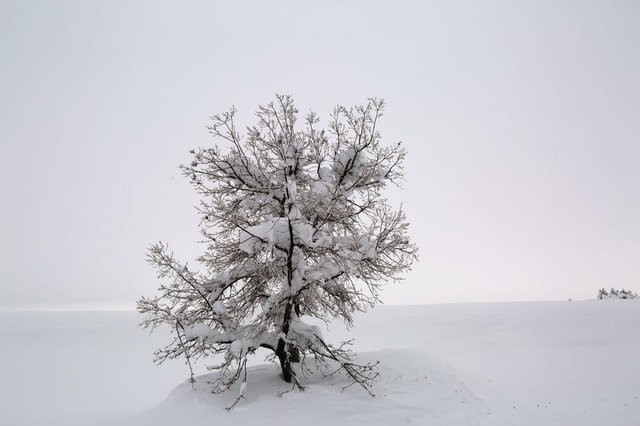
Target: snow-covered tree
{"type": "Point", "coordinates": [295, 226]}
{"type": "Point", "coordinates": [616, 294]}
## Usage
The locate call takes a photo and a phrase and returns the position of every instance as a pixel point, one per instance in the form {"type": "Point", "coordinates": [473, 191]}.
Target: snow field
{"type": "Point", "coordinates": [543, 363]}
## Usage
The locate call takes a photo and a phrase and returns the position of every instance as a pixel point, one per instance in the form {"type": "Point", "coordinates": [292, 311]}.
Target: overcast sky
{"type": "Point", "coordinates": [521, 120]}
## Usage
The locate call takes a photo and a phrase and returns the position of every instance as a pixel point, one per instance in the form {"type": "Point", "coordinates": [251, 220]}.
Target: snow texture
{"type": "Point", "coordinates": [551, 363]}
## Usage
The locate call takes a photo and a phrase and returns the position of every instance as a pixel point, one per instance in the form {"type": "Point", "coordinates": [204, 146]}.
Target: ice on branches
{"type": "Point", "coordinates": [294, 225]}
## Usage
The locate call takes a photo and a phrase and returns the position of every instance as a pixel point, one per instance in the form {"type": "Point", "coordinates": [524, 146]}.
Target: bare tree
{"type": "Point", "coordinates": [294, 225]}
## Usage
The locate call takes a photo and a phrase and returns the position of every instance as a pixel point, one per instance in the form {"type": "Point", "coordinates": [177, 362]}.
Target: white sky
{"type": "Point", "coordinates": [521, 120]}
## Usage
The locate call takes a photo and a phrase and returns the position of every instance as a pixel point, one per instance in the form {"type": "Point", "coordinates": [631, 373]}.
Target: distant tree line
{"type": "Point", "coordinates": [616, 294]}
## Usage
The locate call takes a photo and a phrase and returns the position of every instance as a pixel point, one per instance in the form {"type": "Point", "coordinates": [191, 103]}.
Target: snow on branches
{"type": "Point", "coordinates": [295, 225]}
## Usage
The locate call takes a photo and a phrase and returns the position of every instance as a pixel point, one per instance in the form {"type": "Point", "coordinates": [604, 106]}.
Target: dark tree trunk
{"type": "Point", "coordinates": [286, 353]}
{"type": "Point", "coordinates": [283, 352]}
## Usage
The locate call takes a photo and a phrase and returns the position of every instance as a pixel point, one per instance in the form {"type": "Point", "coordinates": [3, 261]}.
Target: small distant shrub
{"type": "Point", "coordinates": [616, 294]}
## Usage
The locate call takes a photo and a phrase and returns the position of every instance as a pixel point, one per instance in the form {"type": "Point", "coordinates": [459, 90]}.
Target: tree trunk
{"type": "Point", "coordinates": [287, 353]}
{"type": "Point", "coordinates": [284, 355]}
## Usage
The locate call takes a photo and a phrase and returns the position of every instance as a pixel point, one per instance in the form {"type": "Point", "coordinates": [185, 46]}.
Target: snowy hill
{"type": "Point", "coordinates": [551, 363]}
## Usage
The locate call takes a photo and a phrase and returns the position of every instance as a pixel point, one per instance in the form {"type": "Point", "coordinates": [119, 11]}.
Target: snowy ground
{"type": "Point", "coordinates": [551, 363]}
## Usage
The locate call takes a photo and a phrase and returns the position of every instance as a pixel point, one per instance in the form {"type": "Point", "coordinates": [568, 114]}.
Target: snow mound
{"type": "Point", "coordinates": [413, 388]}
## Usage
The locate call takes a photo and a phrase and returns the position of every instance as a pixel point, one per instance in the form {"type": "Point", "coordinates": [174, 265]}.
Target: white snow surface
{"type": "Point", "coordinates": [542, 363]}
